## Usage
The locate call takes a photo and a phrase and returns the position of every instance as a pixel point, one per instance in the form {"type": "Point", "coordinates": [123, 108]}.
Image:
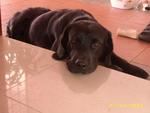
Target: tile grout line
{"type": "Point", "coordinates": [24, 104]}
{"type": "Point", "coordinates": [139, 54]}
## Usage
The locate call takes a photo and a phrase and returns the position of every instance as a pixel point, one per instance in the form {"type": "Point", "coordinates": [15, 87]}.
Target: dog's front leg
{"type": "Point", "coordinates": [127, 67]}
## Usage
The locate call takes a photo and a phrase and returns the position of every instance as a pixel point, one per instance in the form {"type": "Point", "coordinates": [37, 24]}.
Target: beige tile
{"type": "Point", "coordinates": [30, 76]}
{"type": "Point", "coordinates": [59, 91]}
{"type": "Point", "coordinates": [8, 105]}
{"type": "Point", "coordinates": [20, 62]}
{"type": "Point", "coordinates": [96, 1]}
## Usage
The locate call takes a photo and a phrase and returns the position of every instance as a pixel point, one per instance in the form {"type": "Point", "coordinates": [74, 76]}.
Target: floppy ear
{"type": "Point", "coordinates": [108, 49]}
{"type": "Point", "coordinates": [59, 27]}
{"type": "Point", "coordinates": [60, 45]}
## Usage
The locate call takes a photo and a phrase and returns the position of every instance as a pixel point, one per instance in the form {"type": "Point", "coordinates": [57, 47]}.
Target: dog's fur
{"type": "Point", "coordinates": [74, 35]}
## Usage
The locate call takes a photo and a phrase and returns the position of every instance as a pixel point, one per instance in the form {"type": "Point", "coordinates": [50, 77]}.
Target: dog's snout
{"type": "Point", "coordinates": [81, 63]}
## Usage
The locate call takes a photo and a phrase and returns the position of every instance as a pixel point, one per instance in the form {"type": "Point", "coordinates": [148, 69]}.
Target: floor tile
{"type": "Point", "coordinates": [128, 48]}
{"type": "Point", "coordinates": [56, 90]}
{"type": "Point", "coordinates": [60, 91]}
{"type": "Point", "coordinates": [8, 105]}
{"type": "Point", "coordinates": [143, 58]}
{"type": "Point", "coordinates": [20, 62]}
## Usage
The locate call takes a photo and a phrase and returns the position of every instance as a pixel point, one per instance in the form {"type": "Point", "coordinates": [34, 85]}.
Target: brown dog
{"type": "Point", "coordinates": [74, 35]}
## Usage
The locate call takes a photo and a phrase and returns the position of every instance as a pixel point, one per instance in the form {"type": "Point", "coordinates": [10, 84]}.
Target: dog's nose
{"type": "Point", "coordinates": [81, 63]}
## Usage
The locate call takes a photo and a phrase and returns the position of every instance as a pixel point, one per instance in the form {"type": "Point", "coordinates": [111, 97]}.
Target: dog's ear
{"type": "Point", "coordinates": [60, 45]}
{"type": "Point", "coordinates": [108, 49]}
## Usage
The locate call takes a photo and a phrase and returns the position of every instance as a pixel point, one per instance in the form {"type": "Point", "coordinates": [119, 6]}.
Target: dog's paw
{"type": "Point", "coordinates": [141, 73]}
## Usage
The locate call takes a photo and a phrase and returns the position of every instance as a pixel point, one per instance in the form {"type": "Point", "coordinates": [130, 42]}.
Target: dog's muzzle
{"type": "Point", "coordinates": [80, 66]}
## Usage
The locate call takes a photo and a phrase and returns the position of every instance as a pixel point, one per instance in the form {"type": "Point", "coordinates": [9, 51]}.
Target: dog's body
{"type": "Point", "coordinates": [74, 35]}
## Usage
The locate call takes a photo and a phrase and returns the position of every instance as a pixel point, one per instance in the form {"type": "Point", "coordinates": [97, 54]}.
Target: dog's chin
{"type": "Point", "coordinates": [75, 69]}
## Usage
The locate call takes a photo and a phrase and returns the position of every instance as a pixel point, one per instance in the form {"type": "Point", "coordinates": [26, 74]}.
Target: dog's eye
{"type": "Point", "coordinates": [96, 45]}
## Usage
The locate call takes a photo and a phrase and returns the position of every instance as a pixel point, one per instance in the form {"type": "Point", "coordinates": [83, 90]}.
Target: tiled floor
{"type": "Point", "coordinates": [61, 92]}
{"type": "Point", "coordinates": [31, 83]}
{"type": "Point", "coordinates": [14, 107]}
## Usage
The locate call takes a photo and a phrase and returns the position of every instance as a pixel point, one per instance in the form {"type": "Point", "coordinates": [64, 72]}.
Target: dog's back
{"type": "Point", "coordinates": [18, 26]}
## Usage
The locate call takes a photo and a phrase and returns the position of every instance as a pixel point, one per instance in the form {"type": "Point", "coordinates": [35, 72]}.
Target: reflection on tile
{"type": "Point", "coordinates": [8, 105]}
{"type": "Point", "coordinates": [47, 86]}
{"type": "Point", "coordinates": [19, 61]}
{"type": "Point", "coordinates": [58, 91]}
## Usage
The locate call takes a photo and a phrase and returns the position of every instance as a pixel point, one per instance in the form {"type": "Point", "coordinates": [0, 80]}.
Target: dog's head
{"type": "Point", "coordinates": [84, 45]}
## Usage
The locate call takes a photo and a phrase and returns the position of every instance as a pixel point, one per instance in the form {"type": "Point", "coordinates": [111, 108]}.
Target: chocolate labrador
{"type": "Point", "coordinates": [74, 35]}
